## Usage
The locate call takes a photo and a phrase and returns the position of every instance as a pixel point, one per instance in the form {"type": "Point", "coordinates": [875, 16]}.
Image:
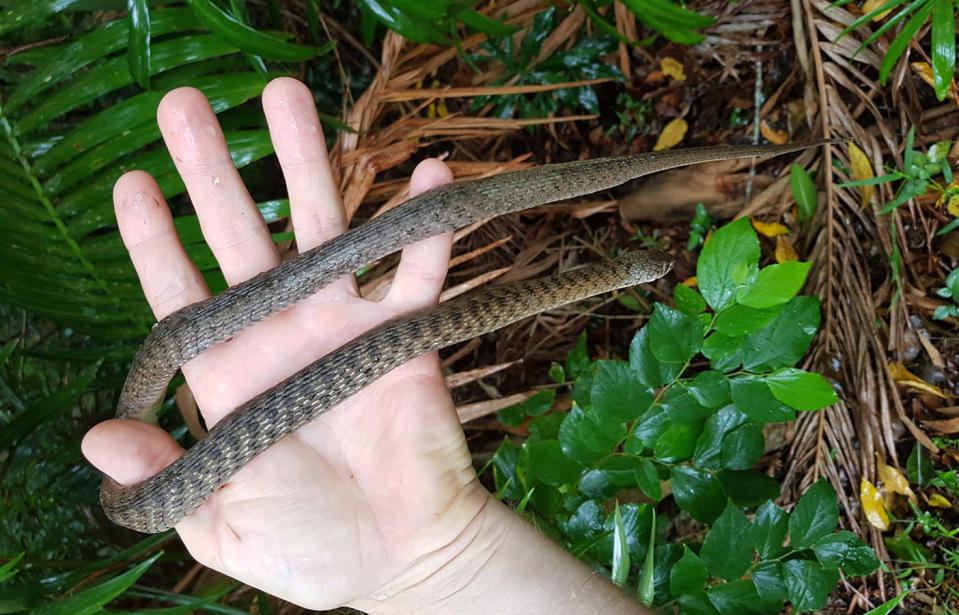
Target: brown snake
{"type": "Point", "coordinates": [159, 502]}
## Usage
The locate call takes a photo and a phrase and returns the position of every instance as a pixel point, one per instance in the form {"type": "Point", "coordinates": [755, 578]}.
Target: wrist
{"type": "Point", "coordinates": [499, 563]}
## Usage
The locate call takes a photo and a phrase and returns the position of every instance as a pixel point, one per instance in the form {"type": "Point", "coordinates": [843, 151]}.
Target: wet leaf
{"type": "Point", "coordinates": [816, 515]}
{"type": "Point", "coordinates": [770, 524]}
{"type": "Point", "coordinates": [919, 465]}
{"type": "Point", "coordinates": [698, 493]}
{"type": "Point", "coordinates": [725, 262]}
{"type": "Point", "coordinates": [872, 505]}
{"type": "Point", "coordinates": [808, 583]}
{"type": "Point", "coordinates": [804, 191]}
{"type": "Point", "coordinates": [674, 336]}
{"type": "Point", "coordinates": [672, 67]}
{"type": "Point", "coordinates": [785, 251]}
{"type": "Point", "coordinates": [939, 501]}
{"type": "Point", "coordinates": [671, 135]}
{"type": "Point", "coordinates": [688, 575]}
{"type": "Point", "coordinates": [620, 549]}
{"type": "Point", "coordinates": [727, 550]}
{"type": "Point", "coordinates": [894, 480]}
{"type": "Point", "coordinates": [774, 285]}
{"type": "Point", "coordinates": [548, 463]}
{"type": "Point", "coordinates": [844, 550]}
{"type": "Point", "coordinates": [861, 169]}
{"type": "Point", "coordinates": [769, 229]}
{"type": "Point", "coordinates": [903, 377]}
{"type": "Point", "coordinates": [770, 581]}
{"type": "Point", "coordinates": [800, 389]}
{"type": "Point", "coordinates": [887, 607]}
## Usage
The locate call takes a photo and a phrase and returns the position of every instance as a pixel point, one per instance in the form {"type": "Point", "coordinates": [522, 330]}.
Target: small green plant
{"type": "Point", "coordinates": [699, 228]}
{"type": "Point", "coordinates": [676, 23]}
{"type": "Point", "coordinates": [949, 291]}
{"type": "Point", "coordinates": [435, 22]}
{"type": "Point", "coordinates": [653, 427]}
{"type": "Point", "coordinates": [915, 14]}
{"type": "Point", "coordinates": [632, 116]}
{"type": "Point", "coordinates": [582, 61]}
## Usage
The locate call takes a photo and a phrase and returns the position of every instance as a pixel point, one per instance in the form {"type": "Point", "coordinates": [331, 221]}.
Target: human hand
{"type": "Point", "coordinates": [368, 498]}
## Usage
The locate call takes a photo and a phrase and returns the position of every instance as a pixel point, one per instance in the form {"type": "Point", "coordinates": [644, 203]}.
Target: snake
{"type": "Point", "coordinates": [158, 503]}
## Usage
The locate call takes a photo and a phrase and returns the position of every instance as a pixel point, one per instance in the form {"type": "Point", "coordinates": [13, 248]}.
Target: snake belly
{"type": "Point", "coordinates": [161, 501]}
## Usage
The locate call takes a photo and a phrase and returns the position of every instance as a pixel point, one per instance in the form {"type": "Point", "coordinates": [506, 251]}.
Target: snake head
{"type": "Point", "coordinates": [647, 265]}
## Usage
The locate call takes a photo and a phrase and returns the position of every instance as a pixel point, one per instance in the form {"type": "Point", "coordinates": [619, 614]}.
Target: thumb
{"type": "Point", "coordinates": [129, 451]}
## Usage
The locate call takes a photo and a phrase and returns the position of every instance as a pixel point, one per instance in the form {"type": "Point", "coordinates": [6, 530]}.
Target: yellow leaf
{"type": "Point", "coordinates": [769, 229]}
{"type": "Point", "coordinates": [690, 282]}
{"type": "Point", "coordinates": [672, 134]}
{"type": "Point", "coordinates": [673, 68]}
{"type": "Point", "coordinates": [938, 501]}
{"type": "Point", "coordinates": [779, 137]}
{"type": "Point", "coordinates": [872, 505]}
{"type": "Point", "coordinates": [893, 480]}
{"type": "Point", "coordinates": [785, 250]}
{"type": "Point", "coordinates": [861, 169]}
{"type": "Point", "coordinates": [924, 72]}
{"type": "Point", "coordinates": [871, 5]}
{"type": "Point", "coordinates": [903, 377]}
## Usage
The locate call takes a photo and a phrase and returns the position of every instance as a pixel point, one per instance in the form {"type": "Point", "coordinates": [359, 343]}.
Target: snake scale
{"type": "Point", "coordinates": [159, 502]}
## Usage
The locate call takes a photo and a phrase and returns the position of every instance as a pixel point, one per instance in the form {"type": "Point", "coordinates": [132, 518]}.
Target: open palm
{"type": "Point", "coordinates": [359, 501]}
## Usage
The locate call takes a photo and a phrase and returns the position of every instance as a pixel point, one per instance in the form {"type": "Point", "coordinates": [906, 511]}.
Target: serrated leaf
{"type": "Point", "coordinates": [770, 525]}
{"type": "Point", "coordinates": [740, 597]}
{"type": "Point", "coordinates": [816, 515]}
{"type": "Point", "coordinates": [688, 300]}
{"type": "Point", "coordinates": [742, 447]}
{"type": "Point", "coordinates": [708, 451]}
{"type": "Point", "coordinates": [648, 428]}
{"type": "Point", "coordinates": [800, 389]}
{"type": "Point", "coordinates": [724, 353]}
{"type": "Point", "coordinates": [548, 463]}
{"type": "Point", "coordinates": [688, 575]}
{"type": "Point", "coordinates": [617, 393]}
{"type": "Point", "coordinates": [844, 550]}
{"type": "Point", "coordinates": [651, 371]}
{"type": "Point", "coordinates": [677, 442]}
{"type": "Point", "coordinates": [784, 341]}
{"type": "Point", "coordinates": [769, 581]}
{"type": "Point", "coordinates": [808, 583]}
{"type": "Point", "coordinates": [753, 398]}
{"type": "Point", "coordinates": [727, 549]}
{"type": "Point", "coordinates": [731, 250]}
{"type": "Point", "coordinates": [682, 406]}
{"type": "Point", "coordinates": [674, 337]}
{"type": "Point", "coordinates": [584, 438]}
{"type": "Point", "coordinates": [739, 320]}
{"type": "Point", "coordinates": [748, 487]}
{"type": "Point", "coordinates": [774, 285]}
{"type": "Point", "coordinates": [698, 493]}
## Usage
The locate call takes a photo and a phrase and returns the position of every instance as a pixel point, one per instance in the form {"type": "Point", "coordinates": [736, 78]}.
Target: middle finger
{"type": "Point", "coordinates": [231, 223]}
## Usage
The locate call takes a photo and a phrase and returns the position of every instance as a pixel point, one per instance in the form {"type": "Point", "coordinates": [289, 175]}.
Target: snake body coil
{"type": "Point", "coordinates": [161, 501]}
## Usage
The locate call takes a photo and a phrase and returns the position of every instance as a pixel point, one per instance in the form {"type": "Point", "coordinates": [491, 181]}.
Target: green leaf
{"type": "Point", "coordinates": [724, 353]}
{"type": "Point", "coordinates": [919, 465]}
{"type": "Point", "coordinates": [784, 341]}
{"type": "Point", "coordinates": [677, 443]}
{"type": "Point", "coordinates": [688, 300]}
{"type": "Point", "coordinates": [648, 428]}
{"type": "Point", "coordinates": [742, 447]}
{"type": "Point", "coordinates": [808, 583]}
{"type": "Point", "coordinates": [611, 476]}
{"type": "Point", "coordinates": [710, 388]}
{"type": "Point", "coordinates": [585, 439]}
{"type": "Point", "coordinates": [738, 320]}
{"type": "Point", "coordinates": [248, 39]}
{"type": "Point", "coordinates": [943, 46]}
{"type": "Point", "coordinates": [748, 487]}
{"type": "Point", "coordinates": [138, 51]}
{"type": "Point", "coordinates": [681, 406]}
{"type": "Point", "coordinates": [688, 575]}
{"type": "Point", "coordinates": [545, 427]}
{"type": "Point", "coordinates": [22, 14]}
{"type": "Point", "coordinates": [754, 399]}
{"type": "Point", "coordinates": [650, 370]}
{"type": "Point", "coordinates": [886, 607]}
{"type": "Point", "coordinates": [648, 479]}
{"type": "Point", "coordinates": [577, 359]}
{"type": "Point", "coordinates": [92, 600]}
{"type": "Point", "coordinates": [674, 337]}
{"type": "Point", "coordinates": [697, 604]}
{"type": "Point", "coordinates": [620, 550]}
{"type": "Point", "coordinates": [727, 550]}
{"type": "Point", "coordinates": [740, 597]}
{"type": "Point", "coordinates": [769, 581]}
{"type": "Point", "coordinates": [708, 452]}
{"type": "Point", "coordinates": [698, 493]}
{"type": "Point", "coordinates": [902, 40]}
{"type": "Point", "coordinates": [774, 285]}
{"type": "Point", "coordinates": [548, 463]}
{"type": "Point", "coordinates": [647, 578]}
{"type": "Point", "coordinates": [816, 515]}
{"type": "Point", "coordinates": [804, 192]}
{"type": "Point", "coordinates": [800, 389]}
{"type": "Point", "coordinates": [770, 524]}
{"type": "Point", "coordinates": [618, 394]}
{"type": "Point", "coordinates": [507, 475]}
{"type": "Point", "coordinates": [844, 550]}
{"type": "Point", "coordinates": [725, 262]}
{"type": "Point", "coordinates": [534, 405]}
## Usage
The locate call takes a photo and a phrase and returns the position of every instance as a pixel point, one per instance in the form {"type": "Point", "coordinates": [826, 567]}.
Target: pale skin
{"type": "Point", "coordinates": [375, 504]}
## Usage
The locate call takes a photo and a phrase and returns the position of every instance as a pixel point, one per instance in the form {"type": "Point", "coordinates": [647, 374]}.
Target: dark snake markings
{"type": "Point", "coordinates": [161, 501]}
